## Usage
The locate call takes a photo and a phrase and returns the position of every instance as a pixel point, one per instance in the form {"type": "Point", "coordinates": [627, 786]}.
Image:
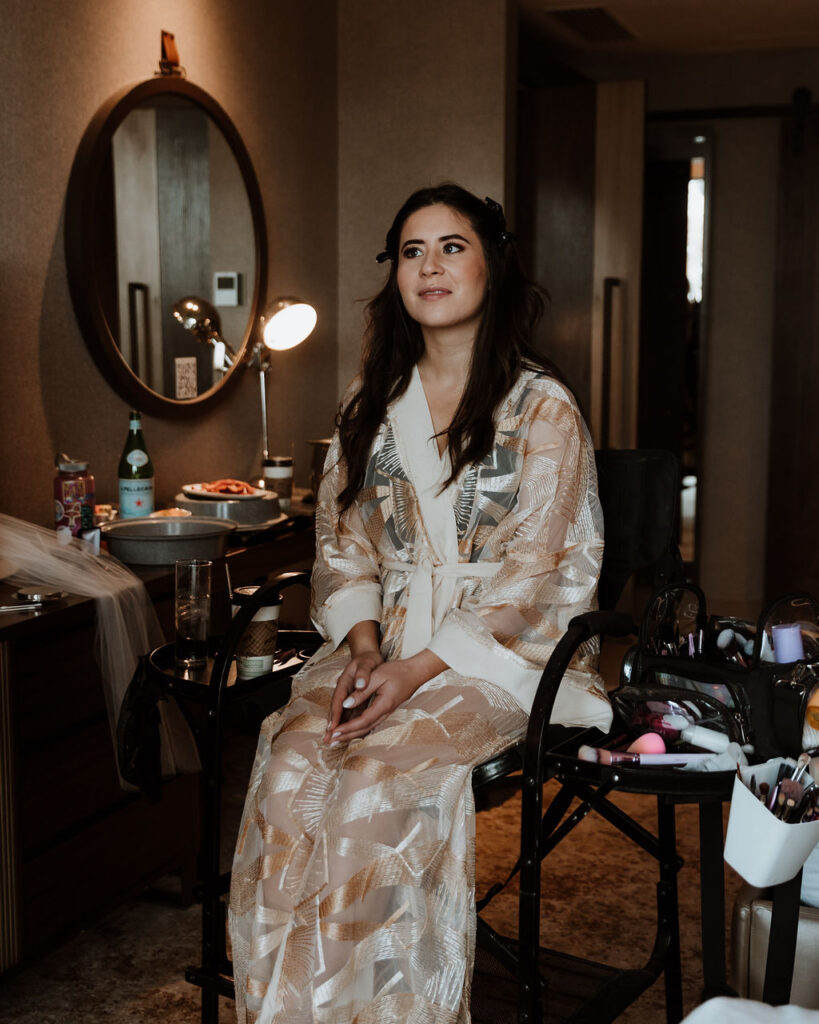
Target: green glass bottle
{"type": "Point", "coordinates": [136, 474]}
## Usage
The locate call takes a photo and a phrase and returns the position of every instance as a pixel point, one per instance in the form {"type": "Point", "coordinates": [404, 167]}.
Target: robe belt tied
{"type": "Point", "coordinates": [430, 596]}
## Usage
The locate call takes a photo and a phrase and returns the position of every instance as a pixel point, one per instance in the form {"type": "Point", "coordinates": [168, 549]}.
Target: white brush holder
{"type": "Point", "coordinates": [759, 847]}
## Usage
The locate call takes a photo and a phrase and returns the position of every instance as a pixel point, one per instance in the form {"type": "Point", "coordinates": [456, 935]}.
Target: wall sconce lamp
{"type": "Point", "coordinates": [285, 323]}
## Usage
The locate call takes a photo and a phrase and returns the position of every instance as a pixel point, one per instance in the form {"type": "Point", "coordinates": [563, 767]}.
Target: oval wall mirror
{"type": "Point", "coordinates": [163, 204]}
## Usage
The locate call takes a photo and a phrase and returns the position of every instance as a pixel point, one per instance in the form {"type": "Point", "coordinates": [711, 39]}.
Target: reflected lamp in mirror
{"type": "Point", "coordinates": [202, 319]}
{"type": "Point", "coordinates": [285, 323]}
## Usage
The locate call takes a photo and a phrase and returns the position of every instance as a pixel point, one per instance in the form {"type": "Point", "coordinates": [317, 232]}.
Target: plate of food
{"type": "Point", "coordinates": [226, 488]}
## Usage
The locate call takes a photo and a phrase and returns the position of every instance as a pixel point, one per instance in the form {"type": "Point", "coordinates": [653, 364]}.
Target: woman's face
{"type": "Point", "coordinates": [442, 272]}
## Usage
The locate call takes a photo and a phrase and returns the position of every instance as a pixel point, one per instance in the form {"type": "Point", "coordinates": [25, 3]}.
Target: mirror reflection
{"type": "Point", "coordinates": [181, 225]}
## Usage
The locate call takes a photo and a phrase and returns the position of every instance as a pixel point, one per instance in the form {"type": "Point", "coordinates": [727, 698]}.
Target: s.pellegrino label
{"type": "Point", "coordinates": [136, 498]}
{"type": "Point", "coordinates": [136, 474]}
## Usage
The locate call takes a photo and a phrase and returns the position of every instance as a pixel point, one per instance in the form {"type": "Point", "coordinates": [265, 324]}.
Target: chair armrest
{"type": "Point", "coordinates": [605, 623]}
{"type": "Point", "coordinates": [581, 628]}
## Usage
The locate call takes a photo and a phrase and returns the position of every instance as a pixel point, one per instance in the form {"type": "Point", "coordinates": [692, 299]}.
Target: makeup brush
{"type": "Point", "coordinates": [603, 756]}
{"type": "Point", "coordinates": [801, 767]}
{"type": "Point", "coordinates": [790, 794]}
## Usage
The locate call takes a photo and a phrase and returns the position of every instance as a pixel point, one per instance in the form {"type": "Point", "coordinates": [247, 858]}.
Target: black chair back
{"type": "Point", "coordinates": [640, 494]}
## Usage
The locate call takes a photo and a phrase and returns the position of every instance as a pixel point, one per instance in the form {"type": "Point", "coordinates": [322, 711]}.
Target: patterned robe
{"type": "Point", "coordinates": [352, 897]}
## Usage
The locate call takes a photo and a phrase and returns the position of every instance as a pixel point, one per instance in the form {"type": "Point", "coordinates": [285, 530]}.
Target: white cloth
{"type": "Point", "coordinates": [810, 879]}
{"type": "Point", "coordinates": [127, 626]}
{"type": "Point", "coordinates": [724, 1010]}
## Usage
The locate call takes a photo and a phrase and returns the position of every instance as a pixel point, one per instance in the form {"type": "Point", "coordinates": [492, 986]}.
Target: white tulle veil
{"type": "Point", "coordinates": [127, 626]}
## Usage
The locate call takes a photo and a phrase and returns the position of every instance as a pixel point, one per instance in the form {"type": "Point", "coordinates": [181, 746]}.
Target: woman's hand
{"type": "Point", "coordinates": [355, 678]}
{"type": "Point", "coordinates": [388, 686]}
{"type": "Point", "coordinates": [364, 657]}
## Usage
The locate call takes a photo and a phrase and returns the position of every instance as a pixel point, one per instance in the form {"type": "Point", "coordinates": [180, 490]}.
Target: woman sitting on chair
{"type": "Point", "coordinates": [458, 532]}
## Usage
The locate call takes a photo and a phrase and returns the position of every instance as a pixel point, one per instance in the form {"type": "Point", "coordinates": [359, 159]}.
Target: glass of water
{"type": "Point", "coordinates": [192, 612]}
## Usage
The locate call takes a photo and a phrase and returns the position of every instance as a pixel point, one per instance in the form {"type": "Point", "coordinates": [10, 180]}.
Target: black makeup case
{"type": "Point", "coordinates": [720, 672]}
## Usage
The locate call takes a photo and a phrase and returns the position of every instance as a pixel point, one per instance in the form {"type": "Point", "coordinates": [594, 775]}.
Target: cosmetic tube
{"type": "Point", "coordinates": [698, 735]}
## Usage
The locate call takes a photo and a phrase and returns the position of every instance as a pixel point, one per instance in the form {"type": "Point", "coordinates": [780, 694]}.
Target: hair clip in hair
{"type": "Point", "coordinates": [382, 257]}
{"type": "Point", "coordinates": [496, 211]}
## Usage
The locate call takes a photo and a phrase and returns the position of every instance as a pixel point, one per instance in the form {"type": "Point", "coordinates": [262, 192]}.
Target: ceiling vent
{"type": "Point", "coordinates": [592, 24]}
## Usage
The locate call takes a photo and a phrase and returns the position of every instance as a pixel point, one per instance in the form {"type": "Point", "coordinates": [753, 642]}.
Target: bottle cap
{"type": "Point", "coordinates": [66, 464]}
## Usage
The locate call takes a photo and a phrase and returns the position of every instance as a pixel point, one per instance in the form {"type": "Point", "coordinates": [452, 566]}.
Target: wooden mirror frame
{"type": "Point", "coordinates": [82, 252]}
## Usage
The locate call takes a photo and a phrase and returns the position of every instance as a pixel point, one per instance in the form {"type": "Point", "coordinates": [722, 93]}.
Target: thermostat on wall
{"type": "Point", "coordinates": [226, 285]}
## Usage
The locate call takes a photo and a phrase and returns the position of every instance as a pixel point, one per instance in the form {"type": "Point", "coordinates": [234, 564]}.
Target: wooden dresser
{"type": "Point", "coordinates": [72, 843]}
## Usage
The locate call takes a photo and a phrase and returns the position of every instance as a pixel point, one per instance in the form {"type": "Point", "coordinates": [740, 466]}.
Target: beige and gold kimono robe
{"type": "Point", "coordinates": [353, 882]}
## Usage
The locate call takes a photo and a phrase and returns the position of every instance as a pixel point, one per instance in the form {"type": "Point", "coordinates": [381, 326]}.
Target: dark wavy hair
{"type": "Point", "coordinates": [393, 342]}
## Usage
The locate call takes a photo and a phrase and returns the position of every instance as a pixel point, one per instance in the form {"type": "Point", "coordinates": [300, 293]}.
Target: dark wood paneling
{"type": "Point", "coordinates": [555, 220]}
{"type": "Point", "coordinates": [66, 782]}
{"type": "Point", "coordinates": [73, 883]}
{"type": "Point", "coordinates": [792, 557]}
{"type": "Point", "coordinates": [57, 685]}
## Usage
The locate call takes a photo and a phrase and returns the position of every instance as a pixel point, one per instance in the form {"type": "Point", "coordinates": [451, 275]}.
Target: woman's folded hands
{"type": "Point", "coordinates": [369, 689]}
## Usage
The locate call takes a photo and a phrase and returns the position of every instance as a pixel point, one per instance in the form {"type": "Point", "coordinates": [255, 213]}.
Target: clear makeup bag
{"type": "Point", "coordinates": [692, 672]}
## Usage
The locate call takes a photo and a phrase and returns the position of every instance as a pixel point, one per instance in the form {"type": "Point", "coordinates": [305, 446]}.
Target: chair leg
{"type": "Point", "coordinates": [210, 1006]}
{"type": "Point", "coordinates": [712, 902]}
{"type": "Point", "coordinates": [529, 1004]}
{"type": "Point", "coordinates": [213, 912]}
{"type": "Point", "coordinates": [782, 942]}
{"type": "Point", "coordinates": [668, 910]}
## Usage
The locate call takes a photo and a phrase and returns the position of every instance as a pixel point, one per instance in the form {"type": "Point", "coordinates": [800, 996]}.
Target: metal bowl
{"type": "Point", "coordinates": [243, 511]}
{"type": "Point", "coordinates": [146, 541]}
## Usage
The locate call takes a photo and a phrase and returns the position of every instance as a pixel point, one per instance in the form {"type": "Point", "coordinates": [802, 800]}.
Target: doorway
{"type": "Point", "coordinates": [673, 300]}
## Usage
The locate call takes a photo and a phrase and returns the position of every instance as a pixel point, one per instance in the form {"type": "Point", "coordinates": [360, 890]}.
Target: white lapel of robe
{"type": "Point", "coordinates": [431, 590]}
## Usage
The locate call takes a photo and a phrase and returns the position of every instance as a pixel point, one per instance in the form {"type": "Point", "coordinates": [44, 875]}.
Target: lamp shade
{"type": "Point", "coordinates": [287, 322]}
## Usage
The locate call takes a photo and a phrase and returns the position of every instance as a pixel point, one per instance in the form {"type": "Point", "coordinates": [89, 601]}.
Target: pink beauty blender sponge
{"type": "Point", "coordinates": [648, 743]}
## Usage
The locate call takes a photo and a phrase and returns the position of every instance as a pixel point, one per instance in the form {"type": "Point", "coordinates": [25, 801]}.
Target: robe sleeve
{"type": "Point", "coordinates": [345, 584]}
{"type": "Point", "coordinates": [550, 546]}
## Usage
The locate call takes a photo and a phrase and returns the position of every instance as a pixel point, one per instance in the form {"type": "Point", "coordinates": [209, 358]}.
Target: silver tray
{"type": "Point", "coordinates": [247, 512]}
{"type": "Point", "coordinates": [147, 541]}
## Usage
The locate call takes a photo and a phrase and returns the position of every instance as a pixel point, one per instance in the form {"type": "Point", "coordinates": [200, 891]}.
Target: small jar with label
{"type": "Point", "coordinates": [278, 477]}
{"type": "Point", "coordinates": [256, 650]}
{"type": "Point", "coordinates": [73, 495]}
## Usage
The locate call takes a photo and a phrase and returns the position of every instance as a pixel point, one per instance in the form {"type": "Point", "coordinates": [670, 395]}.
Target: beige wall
{"type": "Point", "coordinates": [737, 364]}
{"type": "Point", "coordinates": [422, 99]}
{"type": "Point", "coordinates": [271, 65]}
